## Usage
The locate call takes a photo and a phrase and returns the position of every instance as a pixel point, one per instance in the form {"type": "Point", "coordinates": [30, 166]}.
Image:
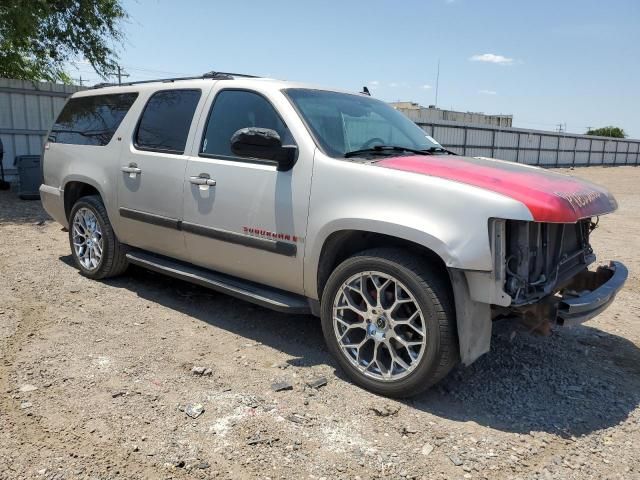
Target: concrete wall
{"type": "Point", "coordinates": [27, 110]}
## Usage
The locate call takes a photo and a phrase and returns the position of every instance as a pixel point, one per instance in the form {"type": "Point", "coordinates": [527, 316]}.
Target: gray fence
{"type": "Point", "coordinates": [27, 110]}
{"type": "Point", "coordinates": [534, 147]}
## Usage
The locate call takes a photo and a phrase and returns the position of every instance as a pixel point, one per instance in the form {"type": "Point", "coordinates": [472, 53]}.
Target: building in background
{"type": "Point", "coordinates": [420, 114]}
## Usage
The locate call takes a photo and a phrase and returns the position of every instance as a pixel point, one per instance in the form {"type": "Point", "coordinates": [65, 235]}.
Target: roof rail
{"type": "Point", "coordinates": [227, 75]}
{"type": "Point", "coordinates": [209, 75]}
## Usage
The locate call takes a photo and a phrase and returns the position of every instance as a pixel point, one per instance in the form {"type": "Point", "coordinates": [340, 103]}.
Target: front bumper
{"type": "Point", "coordinates": [596, 292]}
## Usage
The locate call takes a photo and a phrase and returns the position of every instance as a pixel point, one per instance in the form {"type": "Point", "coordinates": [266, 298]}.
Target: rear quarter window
{"type": "Point", "coordinates": [91, 120]}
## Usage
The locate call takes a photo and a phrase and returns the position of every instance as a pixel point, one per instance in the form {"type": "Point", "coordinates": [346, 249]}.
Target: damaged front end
{"type": "Point", "coordinates": [543, 268]}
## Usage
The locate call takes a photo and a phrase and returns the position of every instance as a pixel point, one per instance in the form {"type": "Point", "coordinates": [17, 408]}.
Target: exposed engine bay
{"type": "Point", "coordinates": [541, 258]}
{"type": "Point", "coordinates": [543, 268]}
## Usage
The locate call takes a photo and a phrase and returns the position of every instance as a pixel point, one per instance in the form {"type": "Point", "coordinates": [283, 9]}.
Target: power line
{"type": "Point", "coordinates": [121, 73]}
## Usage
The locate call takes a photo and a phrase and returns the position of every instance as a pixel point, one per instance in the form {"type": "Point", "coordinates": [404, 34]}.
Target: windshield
{"type": "Point", "coordinates": [343, 122]}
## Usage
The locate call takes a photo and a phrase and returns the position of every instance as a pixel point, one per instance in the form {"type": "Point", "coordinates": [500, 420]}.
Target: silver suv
{"type": "Point", "coordinates": [308, 200]}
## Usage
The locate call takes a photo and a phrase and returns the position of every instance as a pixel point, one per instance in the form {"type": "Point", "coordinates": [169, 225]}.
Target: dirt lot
{"type": "Point", "coordinates": [95, 378]}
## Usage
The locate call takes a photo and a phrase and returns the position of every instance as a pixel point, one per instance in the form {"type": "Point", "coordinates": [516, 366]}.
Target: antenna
{"type": "Point", "coordinates": [437, 84]}
{"type": "Point", "coordinates": [365, 91]}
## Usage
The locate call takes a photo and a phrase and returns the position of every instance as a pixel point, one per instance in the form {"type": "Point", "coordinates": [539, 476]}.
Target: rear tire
{"type": "Point", "coordinates": [96, 250]}
{"type": "Point", "coordinates": [407, 309]}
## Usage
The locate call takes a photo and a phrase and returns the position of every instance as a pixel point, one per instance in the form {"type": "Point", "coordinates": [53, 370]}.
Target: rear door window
{"type": "Point", "coordinates": [91, 120]}
{"type": "Point", "coordinates": [166, 120]}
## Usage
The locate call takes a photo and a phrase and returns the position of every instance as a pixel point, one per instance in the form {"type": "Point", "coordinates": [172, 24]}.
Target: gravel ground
{"type": "Point", "coordinates": [97, 380]}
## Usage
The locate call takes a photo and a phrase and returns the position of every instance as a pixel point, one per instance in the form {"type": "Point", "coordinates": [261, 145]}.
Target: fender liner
{"type": "Point", "coordinates": [473, 320]}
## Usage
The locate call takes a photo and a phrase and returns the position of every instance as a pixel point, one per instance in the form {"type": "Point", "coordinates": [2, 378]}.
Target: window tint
{"type": "Point", "coordinates": [91, 120]}
{"type": "Point", "coordinates": [165, 122]}
{"type": "Point", "coordinates": [236, 109]}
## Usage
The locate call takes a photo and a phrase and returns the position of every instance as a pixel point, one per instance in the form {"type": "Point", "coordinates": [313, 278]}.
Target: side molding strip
{"type": "Point", "coordinates": [150, 218]}
{"type": "Point", "coordinates": [281, 248]}
{"type": "Point", "coordinates": [275, 246]}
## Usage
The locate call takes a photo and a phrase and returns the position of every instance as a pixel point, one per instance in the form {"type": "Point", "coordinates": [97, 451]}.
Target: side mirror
{"type": "Point", "coordinates": [265, 143]}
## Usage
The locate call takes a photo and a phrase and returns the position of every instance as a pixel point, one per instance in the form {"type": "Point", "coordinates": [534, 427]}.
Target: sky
{"type": "Point", "coordinates": [546, 62]}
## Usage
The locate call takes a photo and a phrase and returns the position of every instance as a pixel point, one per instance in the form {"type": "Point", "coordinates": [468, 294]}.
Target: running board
{"type": "Point", "coordinates": [264, 296]}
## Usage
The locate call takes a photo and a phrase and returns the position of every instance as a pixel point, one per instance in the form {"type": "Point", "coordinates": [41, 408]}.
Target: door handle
{"type": "Point", "coordinates": [202, 181]}
{"type": "Point", "coordinates": [131, 169]}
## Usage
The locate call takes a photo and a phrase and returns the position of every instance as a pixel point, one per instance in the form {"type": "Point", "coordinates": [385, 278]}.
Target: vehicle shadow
{"type": "Point", "coordinates": [574, 382]}
{"type": "Point", "coordinates": [255, 323]}
{"type": "Point", "coordinates": [15, 210]}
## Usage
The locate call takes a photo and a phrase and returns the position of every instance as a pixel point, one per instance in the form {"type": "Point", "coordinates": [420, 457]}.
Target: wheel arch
{"type": "Point", "coordinates": [77, 187]}
{"type": "Point", "coordinates": [341, 244]}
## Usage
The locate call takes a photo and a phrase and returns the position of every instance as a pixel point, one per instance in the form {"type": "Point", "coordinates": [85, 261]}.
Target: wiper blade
{"type": "Point", "coordinates": [439, 150]}
{"type": "Point", "coordinates": [385, 150]}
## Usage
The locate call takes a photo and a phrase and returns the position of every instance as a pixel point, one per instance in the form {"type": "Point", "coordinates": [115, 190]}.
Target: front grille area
{"type": "Point", "coordinates": [542, 257]}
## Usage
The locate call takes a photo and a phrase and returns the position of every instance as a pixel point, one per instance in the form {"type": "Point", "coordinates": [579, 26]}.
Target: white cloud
{"type": "Point", "coordinates": [426, 87]}
{"type": "Point", "coordinates": [487, 92]}
{"type": "Point", "coordinates": [374, 83]}
{"type": "Point", "coordinates": [492, 58]}
{"type": "Point", "coordinates": [394, 84]}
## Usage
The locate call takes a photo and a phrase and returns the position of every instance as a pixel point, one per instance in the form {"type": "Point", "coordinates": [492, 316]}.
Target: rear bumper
{"type": "Point", "coordinates": [53, 202]}
{"type": "Point", "coordinates": [600, 289]}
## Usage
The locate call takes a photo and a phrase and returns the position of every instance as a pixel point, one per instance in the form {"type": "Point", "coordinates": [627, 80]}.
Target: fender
{"type": "Point", "coordinates": [448, 217]}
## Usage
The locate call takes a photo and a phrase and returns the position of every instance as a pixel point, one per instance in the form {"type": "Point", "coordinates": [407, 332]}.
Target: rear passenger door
{"type": "Point", "coordinates": [152, 167]}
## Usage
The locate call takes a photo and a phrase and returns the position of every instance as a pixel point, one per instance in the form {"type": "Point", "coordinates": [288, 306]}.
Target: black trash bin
{"type": "Point", "coordinates": [29, 175]}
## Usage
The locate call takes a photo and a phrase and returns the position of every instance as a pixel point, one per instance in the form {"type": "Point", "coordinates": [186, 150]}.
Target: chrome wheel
{"type": "Point", "coordinates": [87, 238]}
{"type": "Point", "coordinates": [379, 325]}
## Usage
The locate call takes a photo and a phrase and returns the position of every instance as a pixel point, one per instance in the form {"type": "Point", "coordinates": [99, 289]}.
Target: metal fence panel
{"type": "Point", "coordinates": [533, 147]}
{"type": "Point", "coordinates": [27, 110]}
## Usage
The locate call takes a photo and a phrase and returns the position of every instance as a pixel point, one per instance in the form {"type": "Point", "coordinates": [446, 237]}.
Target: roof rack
{"type": "Point", "coordinates": [209, 75]}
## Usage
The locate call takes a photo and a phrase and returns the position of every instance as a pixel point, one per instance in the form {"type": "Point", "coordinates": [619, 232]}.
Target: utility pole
{"type": "Point", "coordinates": [121, 73]}
{"type": "Point", "coordinates": [437, 83]}
{"type": "Point", "coordinates": [79, 80]}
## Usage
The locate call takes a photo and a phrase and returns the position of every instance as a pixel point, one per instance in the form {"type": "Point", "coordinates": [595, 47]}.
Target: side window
{"type": "Point", "coordinates": [166, 120]}
{"type": "Point", "coordinates": [236, 109]}
{"type": "Point", "coordinates": [91, 120]}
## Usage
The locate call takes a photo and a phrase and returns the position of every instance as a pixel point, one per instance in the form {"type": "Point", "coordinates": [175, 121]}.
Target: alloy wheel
{"type": "Point", "coordinates": [87, 238]}
{"type": "Point", "coordinates": [379, 325]}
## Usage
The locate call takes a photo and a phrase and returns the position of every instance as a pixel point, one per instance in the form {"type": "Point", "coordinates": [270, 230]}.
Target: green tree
{"type": "Point", "coordinates": [38, 37]}
{"type": "Point", "coordinates": [615, 132]}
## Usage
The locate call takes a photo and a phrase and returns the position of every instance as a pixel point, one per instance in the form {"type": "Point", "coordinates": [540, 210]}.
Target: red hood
{"type": "Point", "coordinates": [549, 196]}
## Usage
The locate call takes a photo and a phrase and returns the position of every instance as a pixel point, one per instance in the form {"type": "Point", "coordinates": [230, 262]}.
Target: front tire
{"type": "Point", "coordinates": [389, 320]}
{"type": "Point", "coordinates": [95, 248]}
